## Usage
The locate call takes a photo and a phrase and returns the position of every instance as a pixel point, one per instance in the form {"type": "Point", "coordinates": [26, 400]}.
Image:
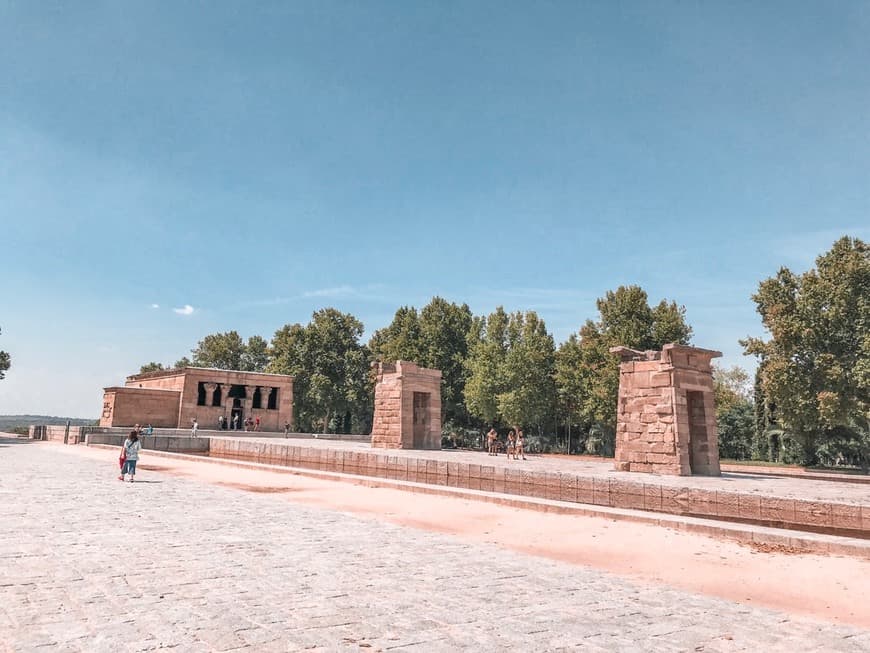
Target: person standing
{"type": "Point", "coordinates": [130, 450]}
{"type": "Point", "coordinates": [257, 423]}
{"type": "Point", "coordinates": [220, 422]}
{"type": "Point", "coordinates": [520, 445]}
{"type": "Point", "coordinates": [194, 428]}
{"type": "Point", "coordinates": [491, 441]}
{"type": "Point", "coordinates": [236, 422]}
{"type": "Point", "coordinates": [286, 429]}
{"type": "Point", "coordinates": [511, 445]}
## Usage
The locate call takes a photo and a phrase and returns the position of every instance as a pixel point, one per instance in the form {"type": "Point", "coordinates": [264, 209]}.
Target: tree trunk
{"type": "Point", "coordinates": [326, 422]}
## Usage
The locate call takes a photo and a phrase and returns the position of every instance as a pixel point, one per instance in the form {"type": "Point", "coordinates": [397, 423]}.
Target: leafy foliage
{"type": "Point", "coordinates": [511, 369]}
{"type": "Point", "coordinates": [255, 357]}
{"type": "Point", "coordinates": [151, 367]}
{"type": "Point", "coordinates": [815, 369]}
{"type": "Point", "coordinates": [227, 351]}
{"type": "Point", "coordinates": [223, 351]}
{"type": "Point", "coordinates": [735, 412]}
{"type": "Point", "coordinates": [736, 426]}
{"type": "Point", "coordinates": [437, 337]}
{"type": "Point", "coordinates": [330, 367]}
{"type": "Point", "coordinates": [588, 375]}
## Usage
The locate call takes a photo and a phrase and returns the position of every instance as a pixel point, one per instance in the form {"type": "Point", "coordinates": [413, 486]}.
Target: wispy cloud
{"type": "Point", "coordinates": [187, 309]}
{"type": "Point", "coordinates": [155, 305]}
{"type": "Point", "coordinates": [370, 292]}
{"type": "Point", "coordinates": [337, 291]}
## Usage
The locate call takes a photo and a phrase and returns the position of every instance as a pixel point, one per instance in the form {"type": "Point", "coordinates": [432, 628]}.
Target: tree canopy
{"type": "Point", "coordinates": [510, 369]}
{"type": "Point", "coordinates": [588, 374]}
{"type": "Point", "coordinates": [735, 412]}
{"type": "Point", "coordinates": [330, 366]}
{"type": "Point", "coordinates": [437, 337]}
{"type": "Point", "coordinates": [227, 351]}
{"type": "Point", "coordinates": [815, 367]}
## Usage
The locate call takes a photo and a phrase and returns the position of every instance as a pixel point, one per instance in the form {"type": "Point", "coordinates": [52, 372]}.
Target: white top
{"type": "Point", "coordinates": [131, 449]}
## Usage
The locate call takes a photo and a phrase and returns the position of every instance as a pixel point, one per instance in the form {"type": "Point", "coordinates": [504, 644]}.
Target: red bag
{"type": "Point", "coordinates": [121, 460]}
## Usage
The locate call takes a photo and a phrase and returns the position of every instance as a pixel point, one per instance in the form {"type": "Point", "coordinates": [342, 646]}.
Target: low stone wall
{"type": "Point", "coordinates": [77, 434]}
{"type": "Point", "coordinates": [612, 492]}
{"type": "Point", "coordinates": [177, 444]}
{"type": "Point", "coordinates": [62, 433]}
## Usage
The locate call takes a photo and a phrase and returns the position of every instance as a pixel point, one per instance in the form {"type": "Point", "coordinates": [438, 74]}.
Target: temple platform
{"type": "Point", "coordinates": [818, 505]}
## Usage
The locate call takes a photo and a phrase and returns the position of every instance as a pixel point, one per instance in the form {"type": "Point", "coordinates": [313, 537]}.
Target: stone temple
{"type": "Point", "coordinates": [407, 407]}
{"type": "Point", "coordinates": [173, 398]}
{"type": "Point", "coordinates": [666, 416]}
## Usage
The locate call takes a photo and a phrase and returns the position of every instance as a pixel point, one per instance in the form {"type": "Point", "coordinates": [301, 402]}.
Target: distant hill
{"type": "Point", "coordinates": [8, 422]}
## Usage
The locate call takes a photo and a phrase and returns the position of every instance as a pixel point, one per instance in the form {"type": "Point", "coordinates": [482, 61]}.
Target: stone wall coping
{"type": "Point", "coordinates": [179, 371]}
{"type": "Point", "coordinates": [128, 388]}
{"type": "Point", "coordinates": [629, 354]}
{"type": "Point", "coordinates": [689, 349]}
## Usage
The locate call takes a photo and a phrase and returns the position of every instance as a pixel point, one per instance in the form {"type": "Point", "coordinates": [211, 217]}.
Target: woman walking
{"type": "Point", "coordinates": [130, 451]}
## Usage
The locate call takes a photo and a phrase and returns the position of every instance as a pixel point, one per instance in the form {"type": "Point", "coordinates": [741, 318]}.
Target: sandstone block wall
{"type": "Point", "coordinates": [124, 406]}
{"type": "Point", "coordinates": [407, 407]}
{"type": "Point", "coordinates": [666, 418]}
{"type": "Point", "coordinates": [172, 399]}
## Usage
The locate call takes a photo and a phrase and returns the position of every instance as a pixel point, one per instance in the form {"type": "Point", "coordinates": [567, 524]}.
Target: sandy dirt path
{"type": "Point", "coordinates": [832, 588]}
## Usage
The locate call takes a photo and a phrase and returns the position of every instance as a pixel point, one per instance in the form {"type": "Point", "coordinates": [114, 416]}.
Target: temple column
{"type": "Point", "coordinates": [249, 399]}
{"type": "Point", "coordinates": [209, 393]}
{"type": "Point", "coordinates": [264, 397]}
{"type": "Point", "coordinates": [226, 400]}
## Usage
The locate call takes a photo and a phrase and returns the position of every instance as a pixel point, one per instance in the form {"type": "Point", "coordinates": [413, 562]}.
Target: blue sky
{"type": "Point", "coordinates": [258, 161]}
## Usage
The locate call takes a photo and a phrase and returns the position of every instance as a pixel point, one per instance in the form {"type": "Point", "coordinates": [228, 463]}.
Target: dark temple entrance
{"type": "Point", "coordinates": [237, 412]}
{"type": "Point", "coordinates": [422, 419]}
{"type": "Point", "coordinates": [699, 443]}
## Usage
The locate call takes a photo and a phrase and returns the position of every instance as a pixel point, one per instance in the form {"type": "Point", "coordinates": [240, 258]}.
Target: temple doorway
{"type": "Point", "coordinates": [237, 412]}
{"type": "Point", "coordinates": [698, 436]}
{"type": "Point", "coordinates": [421, 419]}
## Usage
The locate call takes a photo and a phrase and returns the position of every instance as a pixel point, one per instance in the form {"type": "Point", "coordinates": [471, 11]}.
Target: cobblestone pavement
{"type": "Point", "coordinates": [777, 486]}
{"type": "Point", "coordinates": [88, 563]}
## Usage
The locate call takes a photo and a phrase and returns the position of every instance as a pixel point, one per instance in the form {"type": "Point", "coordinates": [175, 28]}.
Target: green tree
{"type": "Point", "coordinates": [255, 357]}
{"type": "Point", "coordinates": [444, 328]}
{"type": "Point", "coordinates": [151, 367]}
{"type": "Point", "coordinates": [401, 340]}
{"type": "Point", "coordinates": [5, 364]}
{"type": "Point", "coordinates": [570, 389]}
{"type": "Point", "coordinates": [815, 368]}
{"type": "Point", "coordinates": [184, 361]}
{"type": "Point", "coordinates": [730, 387]}
{"type": "Point", "coordinates": [588, 375]}
{"type": "Point", "coordinates": [487, 352]}
{"type": "Point", "coordinates": [736, 426]}
{"type": "Point", "coordinates": [224, 351]}
{"type": "Point", "coordinates": [735, 412]}
{"type": "Point", "coordinates": [529, 396]}
{"type": "Point", "coordinates": [291, 356]}
{"type": "Point", "coordinates": [437, 337]}
{"type": "Point", "coordinates": [510, 369]}
{"type": "Point", "coordinates": [330, 366]}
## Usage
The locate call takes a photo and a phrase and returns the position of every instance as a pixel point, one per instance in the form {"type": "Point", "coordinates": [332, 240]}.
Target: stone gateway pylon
{"type": "Point", "coordinates": [666, 417]}
{"type": "Point", "coordinates": [407, 407]}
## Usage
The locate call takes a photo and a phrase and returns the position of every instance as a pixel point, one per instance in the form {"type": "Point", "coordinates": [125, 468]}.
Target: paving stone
{"type": "Point", "coordinates": [88, 563]}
